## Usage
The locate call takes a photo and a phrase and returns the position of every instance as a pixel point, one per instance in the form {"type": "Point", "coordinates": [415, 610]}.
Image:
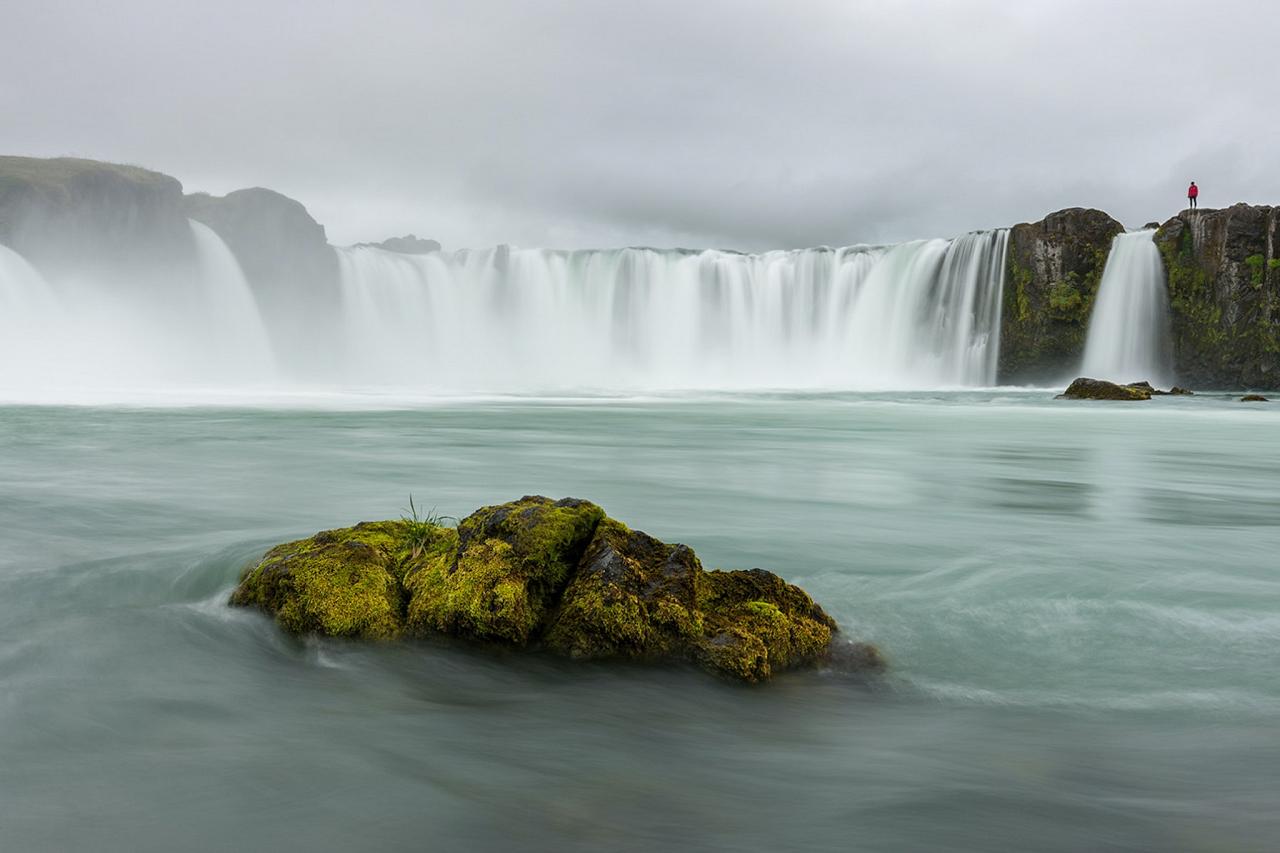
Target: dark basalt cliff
{"type": "Point", "coordinates": [1224, 295]}
{"type": "Point", "coordinates": [66, 213]}
{"type": "Point", "coordinates": [1052, 275]}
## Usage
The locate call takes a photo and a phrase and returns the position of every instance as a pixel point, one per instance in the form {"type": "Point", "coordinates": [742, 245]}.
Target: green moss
{"type": "Point", "coordinates": [534, 570]}
{"type": "Point", "coordinates": [1257, 269]}
{"type": "Point", "coordinates": [1197, 316]}
{"type": "Point", "coordinates": [1065, 301]}
{"type": "Point", "coordinates": [757, 624]}
{"type": "Point", "coordinates": [340, 583]}
{"type": "Point", "coordinates": [513, 560]}
{"type": "Point", "coordinates": [633, 597]}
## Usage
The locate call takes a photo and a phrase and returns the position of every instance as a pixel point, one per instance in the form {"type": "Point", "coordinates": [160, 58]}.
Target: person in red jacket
{"type": "Point", "coordinates": [1193, 192]}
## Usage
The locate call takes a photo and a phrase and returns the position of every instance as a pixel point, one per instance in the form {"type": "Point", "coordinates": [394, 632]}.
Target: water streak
{"type": "Point", "coordinates": [1129, 328]}
{"type": "Point", "coordinates": [918, 315]}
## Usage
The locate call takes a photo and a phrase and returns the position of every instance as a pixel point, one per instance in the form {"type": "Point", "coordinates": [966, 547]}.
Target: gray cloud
{"type": "Point", "coordinates": [745, 124]}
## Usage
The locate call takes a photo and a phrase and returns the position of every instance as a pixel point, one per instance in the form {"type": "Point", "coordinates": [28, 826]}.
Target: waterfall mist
{"type": "Point", "coordinates": [924, 314]}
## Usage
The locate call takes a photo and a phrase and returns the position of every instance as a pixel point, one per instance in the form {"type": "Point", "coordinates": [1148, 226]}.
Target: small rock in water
{"type": "Point", "coordinates": [1253, 398]}
{"type": "Point", "coordinates": [1179, 390]}
{"type": "Point", "coordinates": [1100, 389]}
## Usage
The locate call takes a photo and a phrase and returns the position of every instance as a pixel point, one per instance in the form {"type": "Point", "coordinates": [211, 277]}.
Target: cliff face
{"type": "Point", "coordinates": [1224, 294]}
{"type": "Point", "coordinates": [290, 265]}
{"type": "Point", "coordinates": [279, 245]}
{"type": "Point", "coordinates": [1053, 270]}
{"type": "Point", "coordinates": [64, 213]}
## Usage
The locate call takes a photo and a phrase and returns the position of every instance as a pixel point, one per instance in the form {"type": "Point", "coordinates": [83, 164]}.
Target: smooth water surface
{"type": "Point", "coordinates": [1079, 601]}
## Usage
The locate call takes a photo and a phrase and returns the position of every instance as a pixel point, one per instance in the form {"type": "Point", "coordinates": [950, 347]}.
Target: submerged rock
{"type": "Point", "coordinates": [1253, 398]}
{"type": "Point", "coordinates": [555, 575]}
{"type": "Point", "coordinates": [1100, 389]}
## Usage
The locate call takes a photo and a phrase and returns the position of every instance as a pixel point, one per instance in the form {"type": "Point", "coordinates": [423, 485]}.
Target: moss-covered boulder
{"type": "Point", "coordinates": [756, 624]}
{"type": "Point", "coordinates": [637, 598]}
{"type": "Point", "coordinates": [512, 562]}
{"type": "Point", "coordinates": [339, 583]}
{"type": "Point", "coordinates": [538, 573]}
{"type": "Point", "coordinates": [632, 597]}
{"type": "Point", "coordinates": [1100, 389]}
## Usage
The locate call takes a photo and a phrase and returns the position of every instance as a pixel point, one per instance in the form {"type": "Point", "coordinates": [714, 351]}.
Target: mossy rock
{"type": "Point", "coordinates": [340, 583]}
{"type": "Point", "coordinates": [557, 575]}
{"type": "Point", "coordinates": [757, 624]}
{"type": "Point", "coordinates": [637, 598]}
{"type": "Point", "coordinates": [1100, 389]}
{"type": "Point", "coordinates": [633, 597]}
{"type": "Point", "coordinates": [513, 560]}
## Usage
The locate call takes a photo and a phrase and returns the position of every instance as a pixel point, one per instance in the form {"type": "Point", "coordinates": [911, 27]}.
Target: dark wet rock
{"type": "Point", "coordinates": [1223, 269]}
{"type": "Point", "coordinates": [1052, 274]}
{"type": "Point", "coordinates": [1178, 390]}
{"type": "Point", "coordinates": [1099, 389]}
{"type": "Point", "coordinates": [554, 575]}
{"type": "Point", "coordinates": [1253, 398]}
{"type": "Point", "coordinates": [855, 657]}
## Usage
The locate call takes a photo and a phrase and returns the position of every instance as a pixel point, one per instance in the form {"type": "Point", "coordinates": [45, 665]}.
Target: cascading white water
{"type": "Point", "coordinates": [918, 315]}
{"type": "Point", "coordinates": [924, 314]}
{"type": "Point", "coordinates": [81, 336]}
{"type": "Point", "coordinates": [240, 339]}
{"type": "Point", "coordinates": [1128, 338]}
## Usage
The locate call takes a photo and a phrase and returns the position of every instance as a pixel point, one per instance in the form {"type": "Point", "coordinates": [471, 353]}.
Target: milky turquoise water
{"type": "Point", "coordinates": [1080, 603]}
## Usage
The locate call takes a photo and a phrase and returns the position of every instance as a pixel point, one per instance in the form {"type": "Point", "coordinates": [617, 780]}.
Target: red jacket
{"type": "Point", "coordinates": [1193, 191]}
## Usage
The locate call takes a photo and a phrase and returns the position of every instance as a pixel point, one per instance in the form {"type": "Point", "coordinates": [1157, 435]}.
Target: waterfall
{"type": "Point", "coordinates": [1129, 338]}
{"type": "Point", "coordinates": [240, 344]}
{"type": "Point", "coordinates": [106, 336]}
{"type": "Point", "coordinates": [918, 315]}
{"type": "Point", "coordinates": [924, 314]}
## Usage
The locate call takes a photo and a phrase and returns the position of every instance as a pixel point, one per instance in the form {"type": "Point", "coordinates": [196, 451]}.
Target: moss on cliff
{"type": "Point", "coordinates": [1054, 268]}
{"type": "Point", "coordinates": [1223, 296]}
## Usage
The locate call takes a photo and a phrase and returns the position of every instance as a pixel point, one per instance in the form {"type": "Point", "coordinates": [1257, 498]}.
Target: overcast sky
{"type": "Point", "coordinates": [734, 124]}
